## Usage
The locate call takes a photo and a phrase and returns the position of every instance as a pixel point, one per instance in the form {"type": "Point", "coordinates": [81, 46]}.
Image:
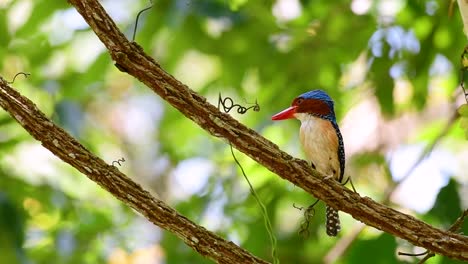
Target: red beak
{"type": "Point", "coordinates": [285, 114]}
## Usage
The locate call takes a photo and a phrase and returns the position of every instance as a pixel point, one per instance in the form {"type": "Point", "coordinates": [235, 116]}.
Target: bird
{"type": "Point", "coordinates": [321, 141]}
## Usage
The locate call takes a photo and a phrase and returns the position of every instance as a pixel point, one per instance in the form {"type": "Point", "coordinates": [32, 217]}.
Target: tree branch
{"type": "Point", "coordinates": [345, 242]}
{"type": "Point", "coordinates": [62, 145]}
{"type": "Point", "coordinates": [131, 58]}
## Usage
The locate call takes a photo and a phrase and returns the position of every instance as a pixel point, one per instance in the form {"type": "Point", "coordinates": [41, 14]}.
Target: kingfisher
{"type": "Point", "coordinates": [321, 140]}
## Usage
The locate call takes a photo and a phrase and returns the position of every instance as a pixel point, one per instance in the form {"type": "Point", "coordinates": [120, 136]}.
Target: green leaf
{"type": "Point", "coordinates": [4, 36]}
{"type": "Point", "coordinates": [236, 4]}
{"type": "Point", "coordinates": [12, 230]}
{"type": "Point", "coordinates": [384, 84]}
{"type": "Point", "coordinates": [464, 123]}
{"type": "Point", "coordinates": [447, 207]}
{"type": "Point", "coordinates": [463, 110]}
{"type": "Point", "coordinates": [380, 250]}
{"type": "Point", "coordinates": [43, 10]}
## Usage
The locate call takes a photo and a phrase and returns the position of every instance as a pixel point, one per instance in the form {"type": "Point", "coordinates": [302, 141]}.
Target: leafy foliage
{"type": "Point", "coordinates": [463, 111]}
{"type": "Point", "coordinates": [400, 59]}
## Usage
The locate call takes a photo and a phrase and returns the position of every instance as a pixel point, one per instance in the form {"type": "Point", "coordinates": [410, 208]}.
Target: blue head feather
{"type": "Point", "coordinates": [322, 96]}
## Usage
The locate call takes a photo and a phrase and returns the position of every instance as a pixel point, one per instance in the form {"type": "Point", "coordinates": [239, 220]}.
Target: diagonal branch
{"type": "Point", "coordinates": [61, 144]}
{"type": "Point", "coordinates": [131, 58]}
{"type": "Point", "coordinates": [345, 242]}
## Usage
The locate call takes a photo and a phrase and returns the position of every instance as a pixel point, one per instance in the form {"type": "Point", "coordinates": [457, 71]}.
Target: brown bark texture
{"type": "Point", "coordinates": [131, 58]}
{"type": "Point", "coordinates": [64, 146]}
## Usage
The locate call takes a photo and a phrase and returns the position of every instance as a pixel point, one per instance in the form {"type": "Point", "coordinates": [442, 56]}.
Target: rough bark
{"type": "Point", "coordinates": [131, 58]}
{"type": "Point", "coordinates": [64, 146]}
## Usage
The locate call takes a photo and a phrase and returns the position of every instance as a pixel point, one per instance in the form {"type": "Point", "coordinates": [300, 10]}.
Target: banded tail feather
{"type": "Point", "coordinates": [332, 222]}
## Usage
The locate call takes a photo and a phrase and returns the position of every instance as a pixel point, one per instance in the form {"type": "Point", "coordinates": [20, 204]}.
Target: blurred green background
{"type": "Point", "coordinates": [392, 67]}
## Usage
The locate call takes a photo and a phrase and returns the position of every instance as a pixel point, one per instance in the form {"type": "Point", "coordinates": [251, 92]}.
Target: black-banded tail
{"type": "Point", "coordinates": [333, 221]}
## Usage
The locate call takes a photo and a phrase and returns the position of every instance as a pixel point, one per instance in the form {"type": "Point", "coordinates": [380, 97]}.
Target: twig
{"type": "Point", "coordinates": [428, 256]}
{"type": "Point", "coordinates": [26, 75]}
{"type": "Point", "coordinates": [138, 18]}
{"type": "Point", "coordinates": [463, 71]}
{"type": "Point", "coordinates": [457, 225]}
{"type": "Point", "coordinates": [309, 212]}
{"type": "Point", "coordinates": [228, 104]}
{"type": "Point", "coordinates": [266, 219]}
{"type": "Point", "coordinates": [454, 228]}
{"type": "Point", "coordinates": [62, 145]}
{"type": "Point", "coordinates": [195, 107]}
{"type": "Point", "coordinates": [119, 161]}
{"type": "Point", "coordinates": [413, 254]}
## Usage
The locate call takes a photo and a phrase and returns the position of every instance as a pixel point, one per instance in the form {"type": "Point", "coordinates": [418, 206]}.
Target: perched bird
{"type": "Point", "coordinates": [321, 140]}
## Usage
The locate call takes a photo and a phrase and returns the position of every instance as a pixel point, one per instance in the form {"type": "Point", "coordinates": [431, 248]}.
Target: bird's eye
{"type": "Point", "coordinates": [299, 101]}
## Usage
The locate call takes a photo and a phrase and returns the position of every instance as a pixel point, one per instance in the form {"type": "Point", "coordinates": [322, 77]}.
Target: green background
{"type": "Point", "coordinates": [392, 68]}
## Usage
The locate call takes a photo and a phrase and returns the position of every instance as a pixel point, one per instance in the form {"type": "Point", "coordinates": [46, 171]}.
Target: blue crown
{"type": "Point", "coordinates": [322, 96]}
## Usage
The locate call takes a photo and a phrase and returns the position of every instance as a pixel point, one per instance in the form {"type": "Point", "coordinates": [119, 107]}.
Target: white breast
{"type": "Point", "coordinates": [320, 144]}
